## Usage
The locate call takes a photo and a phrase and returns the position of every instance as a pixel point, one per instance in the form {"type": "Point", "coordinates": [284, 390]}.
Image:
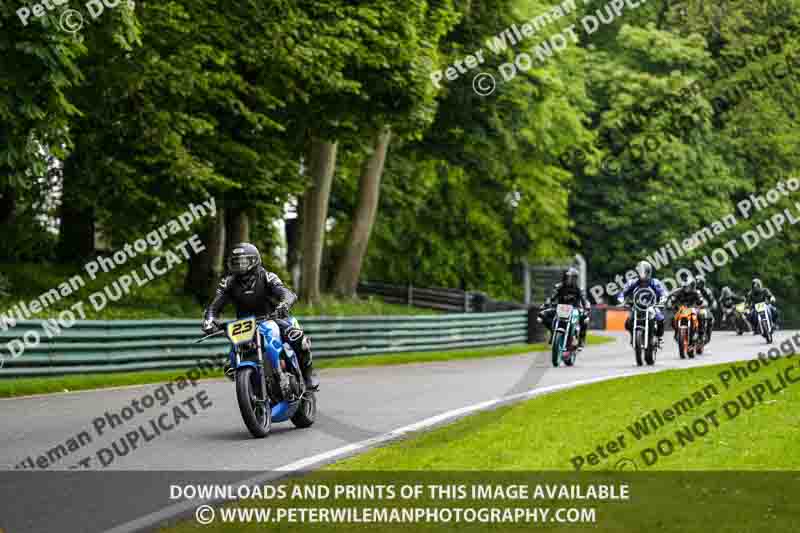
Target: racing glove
{"type": "Point", "coordinates": [209, 326]}
{"type": "Point", "coordinates": [281, 310]}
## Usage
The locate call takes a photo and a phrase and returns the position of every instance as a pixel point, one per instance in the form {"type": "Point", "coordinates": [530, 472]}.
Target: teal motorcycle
{"type": "Point", "coordinates": [566, 334]}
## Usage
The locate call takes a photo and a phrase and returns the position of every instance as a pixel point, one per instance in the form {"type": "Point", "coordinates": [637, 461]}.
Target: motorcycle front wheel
{"type": "Point", "coordinates": [558, 340]}
{"type": "Point", "coordinates": [682, 344]}
{"type": "Point", "coordinates": [257, 416]}
{"type": "Point", "coordinates": [637, 347]}
{"type": "Point", "coordinates": [650, 352]}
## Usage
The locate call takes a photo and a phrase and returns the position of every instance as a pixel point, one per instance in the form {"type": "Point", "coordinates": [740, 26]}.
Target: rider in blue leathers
{"type": "Point", "coordinates": [645, 280]}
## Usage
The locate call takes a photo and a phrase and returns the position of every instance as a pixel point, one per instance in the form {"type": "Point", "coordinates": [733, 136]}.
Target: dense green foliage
{"type": "Point", "coordinates": [641, 132]}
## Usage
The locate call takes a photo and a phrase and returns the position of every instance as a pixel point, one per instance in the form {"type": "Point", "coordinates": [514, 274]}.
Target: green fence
{"type": "Point", "coordinates": [120, 345]}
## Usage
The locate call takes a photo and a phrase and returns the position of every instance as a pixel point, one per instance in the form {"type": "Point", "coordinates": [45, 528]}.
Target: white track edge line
{"type": "Point", "coordinates": [156, 517]}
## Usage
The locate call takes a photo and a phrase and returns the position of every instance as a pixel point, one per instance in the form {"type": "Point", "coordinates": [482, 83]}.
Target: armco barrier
{"type": "Point", "coordinates": [120, 345]}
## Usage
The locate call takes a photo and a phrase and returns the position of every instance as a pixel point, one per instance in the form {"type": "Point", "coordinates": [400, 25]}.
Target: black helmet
{"type": "Point", "coordinates": [244, 258]}
{"type": "Point", "coordinates": [757, 285]}
{"type": "Point", "coordinates": [701, 282]}
{"type": "Point", "coordinates": [570, 278]}
{"type": "Point", "coordinates": [690, 284]}
{"type": "Point", "coordinates": [645, 271]}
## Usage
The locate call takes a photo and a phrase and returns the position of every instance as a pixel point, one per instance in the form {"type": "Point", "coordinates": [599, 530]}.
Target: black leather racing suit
{"type": "Point", "coordinates": [728, 305]}
{"type": "Point", "coordinates": [757, 296]}
{"type": "Point", "coordinates": [257, 294]}
{"type": "Point", "coordinates": [563, 294]}
{"type": "Point", "coordinates": [683, 296]}
{"type": "Point", "coordinates": [707, 311]}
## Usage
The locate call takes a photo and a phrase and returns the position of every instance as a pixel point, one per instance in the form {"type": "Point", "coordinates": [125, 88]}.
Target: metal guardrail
{"type": "Point", "coordinates": [452, 300]}
{"type": "Point", "coordinates": [121, 345]}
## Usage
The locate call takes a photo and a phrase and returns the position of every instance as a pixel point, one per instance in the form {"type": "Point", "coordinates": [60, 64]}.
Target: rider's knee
{"type": "Point", "coordinates": [296, 335]}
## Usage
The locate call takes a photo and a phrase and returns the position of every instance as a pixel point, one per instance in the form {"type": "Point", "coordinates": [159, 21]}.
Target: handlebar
{"type": "Point", "coordinates": [220, 330]}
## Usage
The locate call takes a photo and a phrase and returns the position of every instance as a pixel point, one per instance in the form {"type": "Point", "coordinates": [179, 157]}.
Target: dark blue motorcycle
{"type": "Point", "coordinates": [269, 383]}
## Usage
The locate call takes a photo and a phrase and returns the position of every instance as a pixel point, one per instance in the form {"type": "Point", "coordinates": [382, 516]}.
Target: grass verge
{"type": "Point", "coordinates": [526, 445]}
{"type": "Point", "coordinates": [550, 432]}
{"type": "Point", "coordinates": [12, 387]}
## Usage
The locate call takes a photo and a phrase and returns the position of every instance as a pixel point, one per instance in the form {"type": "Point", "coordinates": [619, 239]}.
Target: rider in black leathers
{"type": "Point", "coordinates": [256, 292]}
{"type": "Point", "coordinates": [728, 300]}
{"type": "Point", "coordinates": [758, 293]}
{"type": "Point", "coordinates": [567, 292]}
{"type": "Point", "coordinates": [706, 314]}
{"type": "Point", "coordinates": [687, 295]}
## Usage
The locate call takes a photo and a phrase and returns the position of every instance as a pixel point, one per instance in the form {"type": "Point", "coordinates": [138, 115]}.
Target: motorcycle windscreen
{"type": "Point", "coordinates": [563, 310]}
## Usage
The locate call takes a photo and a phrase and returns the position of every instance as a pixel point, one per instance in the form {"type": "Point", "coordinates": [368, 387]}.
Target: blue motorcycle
{"type": "Point", "coordinates": [269, 383]}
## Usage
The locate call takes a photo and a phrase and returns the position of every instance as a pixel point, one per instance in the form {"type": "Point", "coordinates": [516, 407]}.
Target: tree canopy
{"type": "Point", "coordinates": [356, 135]}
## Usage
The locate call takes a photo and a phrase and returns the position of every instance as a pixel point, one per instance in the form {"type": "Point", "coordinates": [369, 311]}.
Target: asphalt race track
{"type": "Point", "coordinates": [357, 408]}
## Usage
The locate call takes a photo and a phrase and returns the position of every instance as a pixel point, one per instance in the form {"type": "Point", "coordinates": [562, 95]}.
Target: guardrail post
{"type": "Point", "coordinates": [536, 331]}
{"type": "Point", "coordinates": [479, 302]}
{"type": "Point", "coordinates": [410, 294]}
{"type": "Point", "coordinates": [466, 302]}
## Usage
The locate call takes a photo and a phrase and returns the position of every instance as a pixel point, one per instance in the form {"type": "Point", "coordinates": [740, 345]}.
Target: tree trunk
{"type": "Point", "coordinates": [76, 236]}
{"type": "Point", "coordinates": [238, 226]}
{"type": "Point", "coordinates": [206, 267]}
{"type": "Point", "coordinates": [293, 248]}
{"type": "Point", "coordinates": [8, 205]}
{"type": "Point", "coordinates": [349, 269]}
{"type": "Point", "coordinates": [216, 248]}
{"type": "Point", "coordinates": [321, 166]}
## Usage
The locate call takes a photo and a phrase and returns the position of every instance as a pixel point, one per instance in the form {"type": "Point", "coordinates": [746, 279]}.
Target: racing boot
{"type": "Point", "coordinates": [228, 369]}
{"type": "Point", "coordinates": [307, 368]}
{"type": "Point", "coordinates": [582, 340]}
{"type": "Point", "coordinates": [306, 365]}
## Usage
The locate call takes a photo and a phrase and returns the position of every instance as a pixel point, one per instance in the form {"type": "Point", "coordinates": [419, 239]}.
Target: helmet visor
{"type": "Point", "coordinates": [241, 264]}
{"type": "Point", "coordinates": [644, 271]}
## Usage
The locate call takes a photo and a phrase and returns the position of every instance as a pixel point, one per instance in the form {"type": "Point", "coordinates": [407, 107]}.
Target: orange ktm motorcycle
{"type": "Point", "coordinates": [687, 326]}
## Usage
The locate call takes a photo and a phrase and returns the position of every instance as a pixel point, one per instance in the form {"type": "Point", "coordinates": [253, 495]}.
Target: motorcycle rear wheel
{"type": "Point", "coordinates": [256, 416]}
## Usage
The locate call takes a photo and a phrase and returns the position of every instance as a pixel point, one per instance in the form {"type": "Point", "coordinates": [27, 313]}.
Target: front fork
{"type": "Point", "coordinates": [262, 370]}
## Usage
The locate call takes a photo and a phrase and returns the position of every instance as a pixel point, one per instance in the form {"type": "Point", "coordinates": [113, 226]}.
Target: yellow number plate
{"type": "Point", "coordinates": [241, 331]}
{"type": "Point", "coordinates": [761, 306]}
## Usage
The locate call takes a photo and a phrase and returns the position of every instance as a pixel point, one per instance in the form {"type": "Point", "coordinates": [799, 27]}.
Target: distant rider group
{"type": "Point", "coordinates": [693, 305]}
